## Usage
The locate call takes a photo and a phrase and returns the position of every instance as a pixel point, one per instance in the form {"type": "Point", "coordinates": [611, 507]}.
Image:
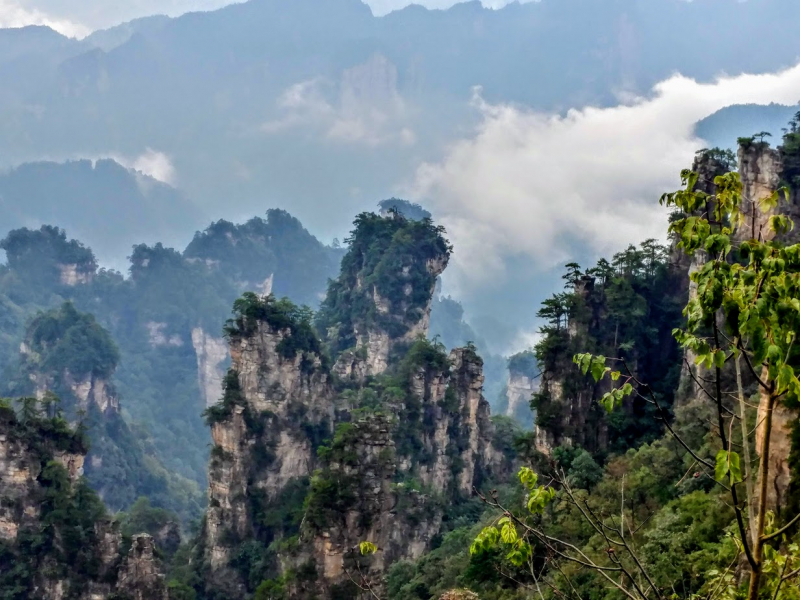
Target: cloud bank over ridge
{"type": "Point", "coordinates": [16, 14]}
{"type": "Point", "coordinates": [537, 185]}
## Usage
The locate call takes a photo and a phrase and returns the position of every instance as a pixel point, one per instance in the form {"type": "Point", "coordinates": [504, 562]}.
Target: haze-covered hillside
{"type": "Point", "coordinates": [163, 355]}
{"type": "Point", "coordinates": [101, 202]}
{"type": "Point", "coordinates": [726, 125]}
{"type": "Point", "coordinates": [287, 102]}
{"type": "Point", "coordinates": [166, 317]}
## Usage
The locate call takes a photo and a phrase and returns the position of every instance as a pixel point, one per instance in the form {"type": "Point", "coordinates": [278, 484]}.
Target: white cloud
{"type": "Point", "coordinates": [152, 163]}
{"type": "Point", "coordinates": [536, 184]}
{"type": "Point", "coordinates": [14, 14]}
{"type": "Point", "coordinates": [156, 165]}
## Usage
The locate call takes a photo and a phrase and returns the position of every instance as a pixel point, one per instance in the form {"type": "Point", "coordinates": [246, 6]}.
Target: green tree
{"type": "Point", "coordinates": [555, 311]}
{"type": "Point", "coordinates": [573, 275]}
{"type": "Point", "coordinates": [603, 271]}
{"type": "Point", "coordinates": [29, 409]}
{"type": "Point", "coordinates": [745, 315]}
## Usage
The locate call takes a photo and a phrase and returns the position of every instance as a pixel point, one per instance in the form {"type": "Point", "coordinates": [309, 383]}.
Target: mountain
{"type": "Point", "coordinates": [68, 360]}
{"type": "Point", "coordinates": [367, 433]}
{"type": "Point", "coordinates": [725, 126]}
{"type": "Point", "coordinates": [285, 103]}
{"type": "Point", "coordinates": [57, 540]}
{"type": "Point", "coordinates": [352, 457]}
{"type": "Point", "coordinates": [107, 205]}
{"type": "Point", "coordinates": [30, 57]}
{"type": "Point", "coordinates": [165, 318]}
{"type": "Point", "coordinates": [113, 37]}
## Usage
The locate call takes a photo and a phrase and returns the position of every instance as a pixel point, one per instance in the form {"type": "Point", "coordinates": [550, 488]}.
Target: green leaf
{"type": "Point", "coordinates": [528, 477]}
{"type": "Point", "coordinates": [735, 468]}
{"type": "Point", "coordinates": [598, 367]}
{"type": "Point", "coordinates": [785, 378]}
{"type": "Point", "coordinates": [485, 540]}
{"type": "Point", "coordinates": [728, 466]}
{"type": "Point", "coordinates": [615, 374]}
{"type": "Point", "coordinates": [583, 361]}
{"type": "Point", "coordinates": [721, 467]}
{"type": "Point", "coordinates": [509, 533]}
{"type": "Point", "coordinates": [367, 548]}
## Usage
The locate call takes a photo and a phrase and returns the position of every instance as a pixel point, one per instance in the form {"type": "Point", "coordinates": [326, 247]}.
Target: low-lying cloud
{"type": "Point", "coordinates": [14, 14]}
{"type": "Point", "coordinates": [154, 164]}
{"type": "Point", "coordinates": [538, 185]}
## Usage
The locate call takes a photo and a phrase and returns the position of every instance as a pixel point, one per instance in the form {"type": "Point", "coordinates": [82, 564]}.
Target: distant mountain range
{"type": "Point", "coordinates": [726, 125]}
{"type": "Point", "coordinates": [319, 107]}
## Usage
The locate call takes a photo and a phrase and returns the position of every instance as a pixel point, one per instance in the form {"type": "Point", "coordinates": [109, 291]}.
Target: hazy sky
{"type": "Point", "coordinates": [78, 18]}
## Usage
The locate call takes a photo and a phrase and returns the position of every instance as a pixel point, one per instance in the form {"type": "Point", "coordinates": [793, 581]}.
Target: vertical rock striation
{"type": "Point", "coordinates": [45, 505]}
{"type": "Point", "coordinates": [523, 380]}
{"type": "Point", "coordinates": [761, 170]}
{"type": "Point", "coordinates": [211, 355]}
{"type": "Point", "coordinates": [373, 448]}
{"type": "Point", "coordinates": [275, 410]}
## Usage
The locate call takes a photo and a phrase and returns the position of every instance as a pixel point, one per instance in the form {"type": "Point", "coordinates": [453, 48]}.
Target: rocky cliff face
{"type": "Point", "coordinates": [87, 390]}
{"type": "Point", "coordinates": [375, 342]}
{"type": "Point", "coordinates": [579, 421]}
{"type": "Point", "coordinates": [523, 380]}
{"type": "Point", "coordinates": [274, 411]}
{"type": "Point", "coordinates": [139, 576]}
{"type": "Point", "coordinates": [68, 362]}
{"type": "Point", "coordinates": [760, 169]}
{"type": "Point", "coordinates": [567, 413]}
{"type": "Point", "coordinates": [707, 169]}
{"type": "Point", "coordinates": [212, 353]}
{"type": "Point", "coordinates": [398, 477]}
{"type": "Point", "coordinates": [75, 274]}
{"type": "Point", "coordinates": [381, 301]}
{"type": "Point", "coordinates": [519, 389]}
{"type": "Point", "coordinates": [57, 535]}
{"type": "Point", "coordinates": [371, 449]}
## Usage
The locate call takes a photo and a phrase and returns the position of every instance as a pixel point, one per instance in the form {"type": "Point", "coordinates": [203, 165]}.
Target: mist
{"type": "Point", "coordinates": [541, 185]}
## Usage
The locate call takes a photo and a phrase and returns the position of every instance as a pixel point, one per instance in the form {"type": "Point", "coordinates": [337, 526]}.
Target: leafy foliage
{"type": "Point", "coordinates": [682, 513]}
{"type": "Point", "coordinates": [171, 301]}
{"type": "Point", "coordinates": [295, 322]}
{"type": "Point", "coordinates": [388, 257]}
{"type": "Point", "coordinates": [71, 341]}
{"type": "Point", "coordinates": [67, 351]}
{"type": "Point", "coordinates": [278, 247]}
{"type": "Point", "coordinates": [62, 541]}
{"type": "Point", "coordinates": [626, 307]}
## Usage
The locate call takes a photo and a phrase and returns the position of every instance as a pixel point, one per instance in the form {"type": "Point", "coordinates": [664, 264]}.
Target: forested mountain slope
{"type": "Point", "coordinates": [165, 318]}
{"type": "Point", "coordinates": [108, 206]}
